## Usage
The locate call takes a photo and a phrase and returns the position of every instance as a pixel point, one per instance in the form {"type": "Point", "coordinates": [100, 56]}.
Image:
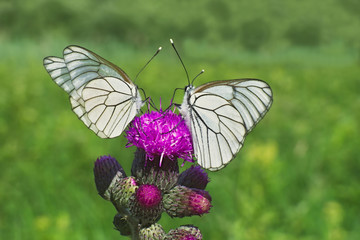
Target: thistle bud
{"type": "Point", "coordinates": [123, 190]}
{"type": "Point", "coordinates": [148, 196]}
{"type": "Point", "coordinates": [154, 232]}
{"type": "Point", "coordinates": [146, 204]}
{"type": "Point", "coordinates": [182, 201]}
{"type": "Point", "coordinates": [184, 233]}
{"type": "Point", "coordinates": [106, 168]}
{"type": "Point", "coordinates": [194, 177]}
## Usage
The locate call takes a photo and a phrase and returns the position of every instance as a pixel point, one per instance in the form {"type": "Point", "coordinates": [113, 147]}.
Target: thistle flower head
{"type": "Point", "coordinates": [162, 134]}
{"type": "Point", "coordinates": [156, 185]}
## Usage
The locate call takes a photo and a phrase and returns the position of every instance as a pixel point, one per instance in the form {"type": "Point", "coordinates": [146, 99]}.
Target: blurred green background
{"type": "Point", "coordinates": [297, 177]}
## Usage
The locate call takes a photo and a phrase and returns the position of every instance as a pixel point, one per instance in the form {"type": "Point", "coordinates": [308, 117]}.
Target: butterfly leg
{"type": "Point", "coordinates": [182, 119]}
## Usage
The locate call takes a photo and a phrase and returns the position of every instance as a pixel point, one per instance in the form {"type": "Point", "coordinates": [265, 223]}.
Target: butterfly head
{"type": "Point", "coordinates": [184, 108]}
{"type": "Point", "coordinates": [137, 98]}
{"type": "Point", "coordinates": [189, 89]}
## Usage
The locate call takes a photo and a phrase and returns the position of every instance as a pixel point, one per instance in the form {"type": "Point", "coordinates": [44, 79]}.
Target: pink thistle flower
{"type": "Point", "coordinates": [163, 134]}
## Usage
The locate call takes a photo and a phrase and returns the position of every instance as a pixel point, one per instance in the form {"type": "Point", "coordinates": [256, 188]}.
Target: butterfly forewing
{"type": "Point", "coordinates": [101, 94]}
{"type": "Point", "coordinates": [84, 66]}
{"type": "Point", "coordinates": [58, 71]}
{"type": "Point", "coordinates": [221, 114]}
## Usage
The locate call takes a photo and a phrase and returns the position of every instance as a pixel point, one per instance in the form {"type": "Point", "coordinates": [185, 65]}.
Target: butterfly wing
{"type": "Point", "coordinates": [221, 114]}
{"type": "Point", "coordinates": [101, 94]}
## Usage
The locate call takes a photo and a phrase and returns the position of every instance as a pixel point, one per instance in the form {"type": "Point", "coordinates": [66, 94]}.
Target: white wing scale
{"type": "Point", "coordinates": [220, 114]}
{"type": "Point", "coordinates": [101, 94]}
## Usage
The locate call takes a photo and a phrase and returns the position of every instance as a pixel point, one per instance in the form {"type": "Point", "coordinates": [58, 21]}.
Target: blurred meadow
{"type": "Point", "coordinates": [298, 174]}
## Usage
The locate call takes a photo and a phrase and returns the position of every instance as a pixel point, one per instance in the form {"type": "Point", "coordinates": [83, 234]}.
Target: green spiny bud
{"type": "Point", "coordinates": [122, 192]}
{"type": "Point", "coordinates": [182, 201]}
{"type": "Point", "coordinates": [184, 233]}
{"type": "Point", "coordinates": [154, 232]}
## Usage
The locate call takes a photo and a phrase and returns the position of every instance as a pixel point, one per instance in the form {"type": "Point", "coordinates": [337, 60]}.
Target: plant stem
{"type": "Point", "coordinates": [133, 222]}
{"type": "Point", "coordinates": [134, 225]}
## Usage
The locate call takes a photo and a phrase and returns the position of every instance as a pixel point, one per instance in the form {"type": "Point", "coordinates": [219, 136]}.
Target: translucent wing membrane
{"type": "Point", "coordinates": [221, 114]}
{"type": "Point", "coordinates": [58, 71]}
{"type": "Point", "coordinates": [101, 94]}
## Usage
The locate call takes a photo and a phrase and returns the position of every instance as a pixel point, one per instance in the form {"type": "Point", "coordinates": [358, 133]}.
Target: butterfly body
{"type": "Point", "coordinates": [184, 108]}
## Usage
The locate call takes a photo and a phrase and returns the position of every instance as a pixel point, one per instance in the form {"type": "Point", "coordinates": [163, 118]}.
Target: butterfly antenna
{"type": "Point", "coordinates": [156, 53]}
{"type": "Point", "coordinates": [149, 104]}
{"type": "Point", "coordinates": [182, 63]}
{"type": "Point", "coordinates": [202, 71]}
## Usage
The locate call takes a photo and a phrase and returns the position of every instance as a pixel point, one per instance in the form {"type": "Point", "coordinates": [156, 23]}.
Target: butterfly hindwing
{"type": "Point", "coordinates": [109, 105]}
{"type": "Point", "coordinates": [101, 94]}
{"type": "Point", "coordinates": [221, 114]}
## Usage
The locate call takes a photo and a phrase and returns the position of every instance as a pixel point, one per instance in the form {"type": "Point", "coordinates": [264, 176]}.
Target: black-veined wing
{"type": "Point", "coordinates": [221, 114]}
{"type": "Point", "coordinates": [101, 94]}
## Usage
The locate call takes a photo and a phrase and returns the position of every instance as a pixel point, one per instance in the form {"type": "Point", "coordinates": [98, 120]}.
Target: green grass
{"type": "Point", "coordinates": [297, 176]}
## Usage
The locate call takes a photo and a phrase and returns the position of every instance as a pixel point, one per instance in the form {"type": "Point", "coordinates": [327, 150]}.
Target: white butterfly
{"type": "Point", "coordinates": [101, 94]}
{"type": "Point", "coordinates": [220, 114]}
